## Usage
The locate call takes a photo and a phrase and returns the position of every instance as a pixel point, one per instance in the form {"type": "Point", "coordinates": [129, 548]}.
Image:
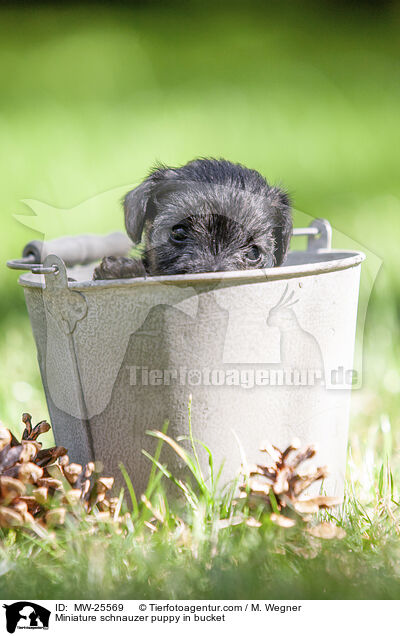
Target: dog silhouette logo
{"type": "Point", "coordinates": [26, 615]}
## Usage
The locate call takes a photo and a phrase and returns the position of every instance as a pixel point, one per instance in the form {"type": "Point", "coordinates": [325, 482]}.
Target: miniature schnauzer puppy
{"type": "Point", "coordinates": [207, 216]}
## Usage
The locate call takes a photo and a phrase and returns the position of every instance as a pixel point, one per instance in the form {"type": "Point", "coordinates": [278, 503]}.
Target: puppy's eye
{"type": "Point", "coordinates": [253, 254]}
{"type": "Point", "coordinates": [178, 234]}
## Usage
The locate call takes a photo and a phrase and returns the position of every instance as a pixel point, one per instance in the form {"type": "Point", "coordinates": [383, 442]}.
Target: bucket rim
{"type": "Point", "coordinates": [341, 260]}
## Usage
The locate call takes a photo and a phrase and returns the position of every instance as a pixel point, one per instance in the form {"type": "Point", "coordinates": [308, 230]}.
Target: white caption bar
{"type": "Point", "coordinates": [143, 617]}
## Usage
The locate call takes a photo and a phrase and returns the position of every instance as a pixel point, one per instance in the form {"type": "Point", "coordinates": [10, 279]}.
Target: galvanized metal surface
{"type": "Point", "coordinates": [120, 357]}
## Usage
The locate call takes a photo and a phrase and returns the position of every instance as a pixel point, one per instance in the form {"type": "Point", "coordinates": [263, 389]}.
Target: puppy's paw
{"type": "Point", "coordinates": [112, 267]}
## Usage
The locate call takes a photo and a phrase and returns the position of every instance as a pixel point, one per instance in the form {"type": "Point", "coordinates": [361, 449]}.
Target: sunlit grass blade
{"type": "Point", "coordinates": [155, 477]}
{"type": "Point", "coordinates": [210, 459]}
{"type": "Point", "coordinates": [200, 477]}
{"type": "Point", "coordinates": [180, 451]}
{"type": "Point", "coordinates": [131, 490]}
{"type": "Point", "coordinates": [181, 485]}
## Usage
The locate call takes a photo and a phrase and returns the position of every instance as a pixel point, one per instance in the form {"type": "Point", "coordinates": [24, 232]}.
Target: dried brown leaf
{"type": "Point", "coordinates": [27, 518]}
{"type": "Point", "coordinates": [253, 523]}
{"type": "Point", "coordinates": [27, 420]}
{"type": "Point", "coordinates": [72, 472]}
{"type": "Point", "coordinates": [27, 472]}
{"type": "Point", "coordinates": [306, 507]}
{"type": "Point", "coordinates": [41, 495]}
{"type": "Point", "coordinates": [327, 530]}
{"type": "Point", "coordinates": [56, 516]}
{"type": "Point", "coordinates": [324, 502]}
{"type": "Point", "coordinates": [105, 483]}
{"type": "Point", "coordinates": [19, 506]}
{"type": "Point", "coordinates": [5, 437]}
{"type": "Point", "coordinates": [9, 517]}
{"type": "Point", "coordinates": [281, 484]}
{"type": "Point", "coordinates": [274, 452]}
{"type": "Point", "coordinates": [302, 456]}
{"type": "Point", "coordinates": [257, 486]}
{"type": "Point", "coordinates": [49, 455]}
{"type": "Point", "coordinates": [33, 433]}
{"type": "Point", "coordinates": [72, 496]}
{"type": "Point", "coordinates": [10, 488]}
{"type": "Point", "coordinates": [29, 451]}
{"type": "Point", "coordinates": [300, 483]}
{"type": "Point", "coordinates": [282, 521]}
{"type": "Point", "coordinates": [49, 482]}
{"type": "Point", "coordinates": [9, 456]}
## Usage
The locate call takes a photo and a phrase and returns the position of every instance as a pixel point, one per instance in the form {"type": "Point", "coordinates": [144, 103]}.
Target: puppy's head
{"type": "Point", "coordinates": [210, 215]}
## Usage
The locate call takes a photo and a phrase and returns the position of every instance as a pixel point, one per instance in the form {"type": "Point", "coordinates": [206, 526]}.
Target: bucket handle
{"type": "Point", "coordinates": [88, 248]}
{"type": "Point", "coordinates": [319, 234]}
{"type": "Point", "coordinates": [73, 250]}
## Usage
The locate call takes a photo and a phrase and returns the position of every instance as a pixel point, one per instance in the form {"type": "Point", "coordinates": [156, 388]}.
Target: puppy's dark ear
{"type": "Point", "coordinates": [283, 223]}
{"type": "Point", "coordinates": [138, 209]}
{"type": "Point", "coordinates": [140, 204]}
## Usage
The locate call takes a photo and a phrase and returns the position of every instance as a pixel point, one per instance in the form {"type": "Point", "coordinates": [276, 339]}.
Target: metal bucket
{"type": "Point", "coordinates": [265, 354]}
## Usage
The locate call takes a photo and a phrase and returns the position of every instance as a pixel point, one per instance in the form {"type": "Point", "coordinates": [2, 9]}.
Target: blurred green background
{"type": "Point", "coordinates": [307, 93]}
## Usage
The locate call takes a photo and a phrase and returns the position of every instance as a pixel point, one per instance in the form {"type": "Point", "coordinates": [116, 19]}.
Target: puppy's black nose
{"type": "Point", "coordinates": [217, 267]}
{"type": "Point", "coordinates": [208, 267]}
{"type": "Point", "coordinates": [222, 268]}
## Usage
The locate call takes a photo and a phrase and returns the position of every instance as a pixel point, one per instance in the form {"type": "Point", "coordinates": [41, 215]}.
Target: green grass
{"type": "Point", "coordinates": [307, 94]}
{"type": "Point", "coordinates": [193, 547]}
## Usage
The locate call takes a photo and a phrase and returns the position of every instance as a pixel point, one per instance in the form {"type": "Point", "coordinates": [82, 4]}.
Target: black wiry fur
{"type": "Point", "coordinates": [225, 210]}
